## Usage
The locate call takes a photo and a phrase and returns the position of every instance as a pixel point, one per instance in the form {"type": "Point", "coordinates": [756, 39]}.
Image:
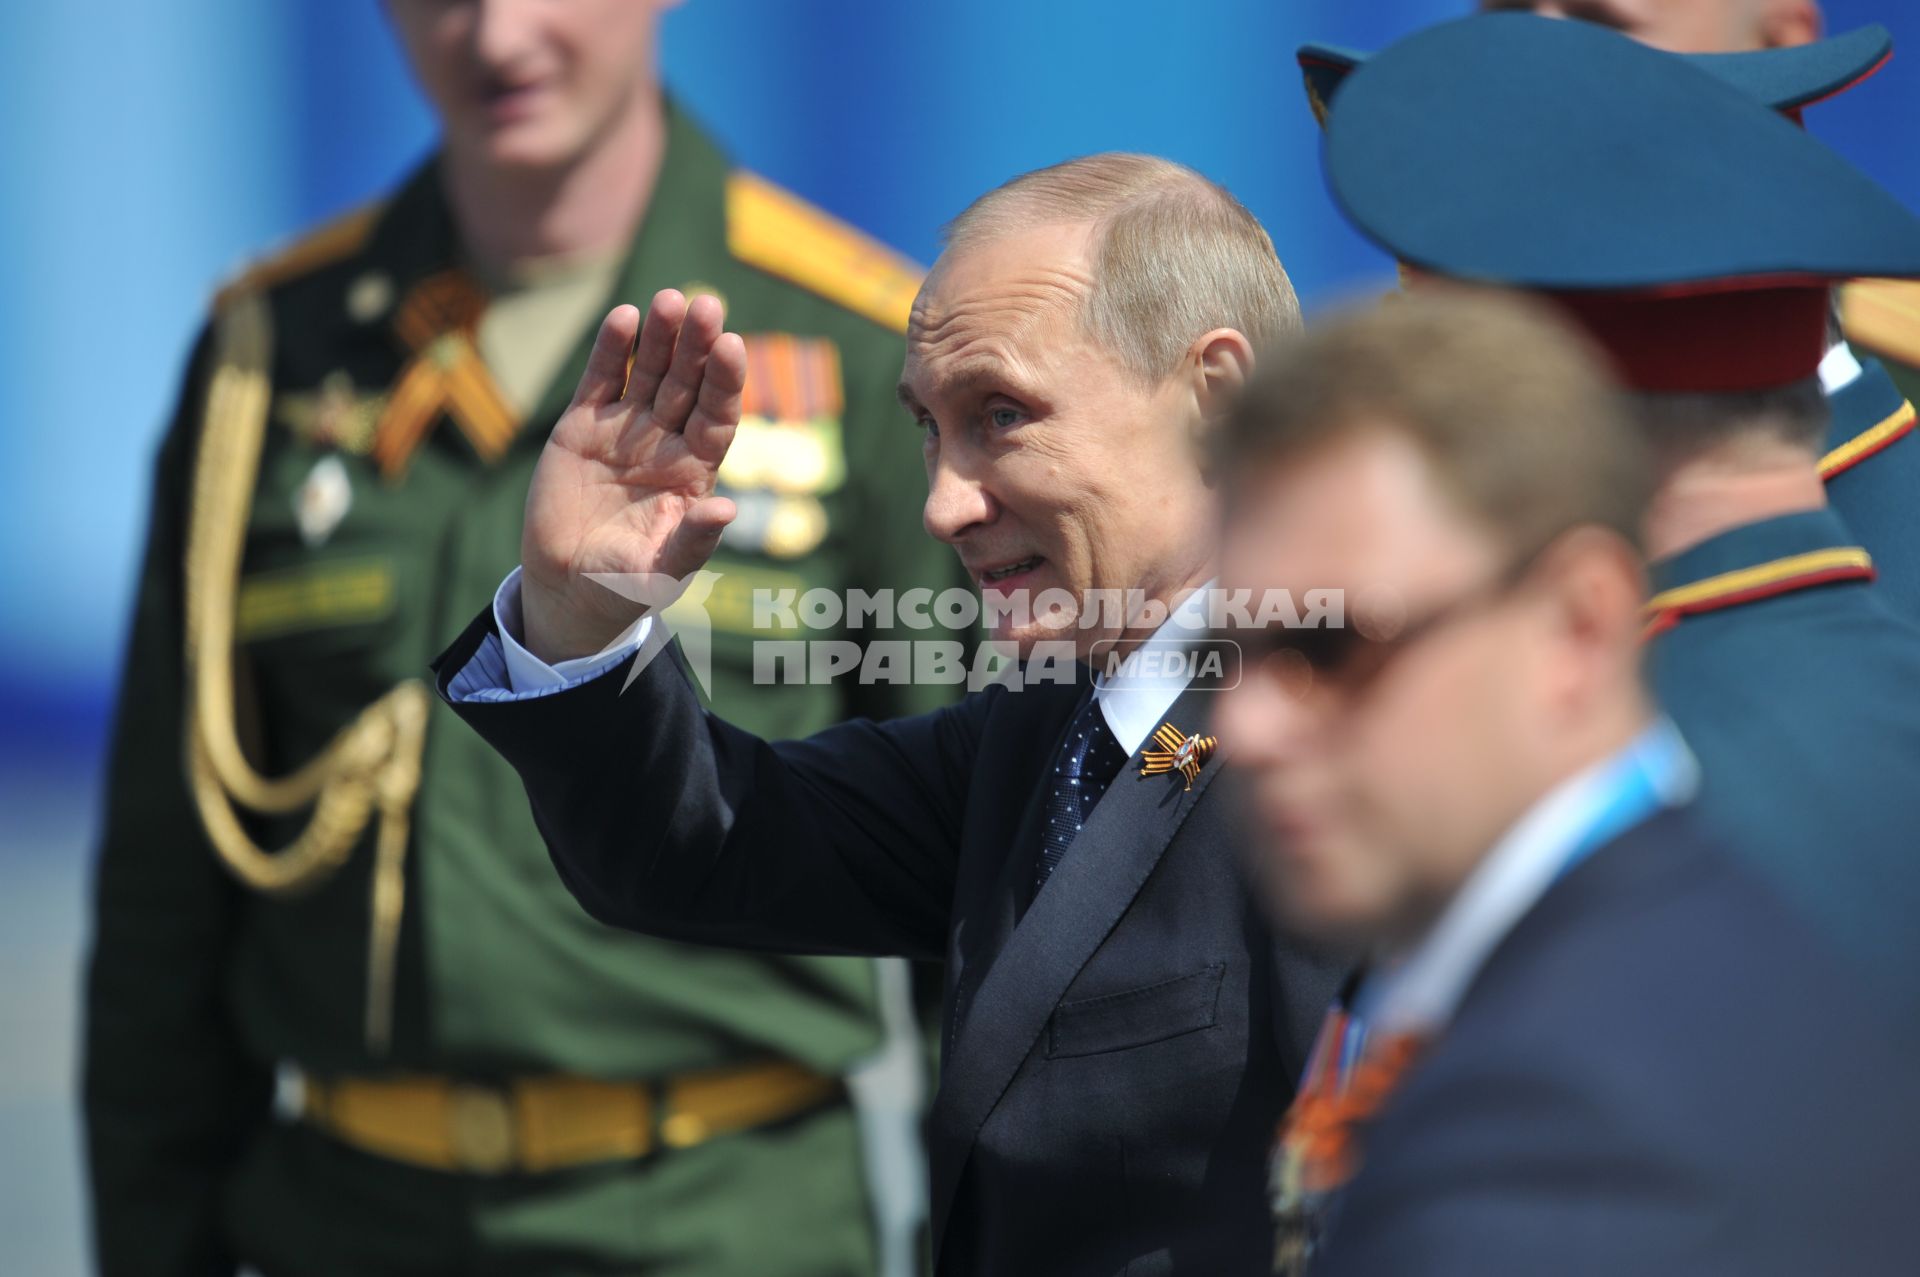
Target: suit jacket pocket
{"type": "Point", "coordinates": [1116, 1021]}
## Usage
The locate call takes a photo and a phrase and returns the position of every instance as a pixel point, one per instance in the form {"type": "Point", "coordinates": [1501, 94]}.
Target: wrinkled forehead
{"type": "Point", "coordinates": [1005, 289]}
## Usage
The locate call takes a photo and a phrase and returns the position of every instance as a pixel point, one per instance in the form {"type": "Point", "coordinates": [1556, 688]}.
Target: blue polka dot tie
{"type": "Point", "coordinates": [1087, 763]}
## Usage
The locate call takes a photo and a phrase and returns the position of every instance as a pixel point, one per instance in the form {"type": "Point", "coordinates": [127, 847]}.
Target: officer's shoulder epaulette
{"type": "Point", "coordinates": [331, 241]}
{"type": "Point", "coordinates": [776, 231]}
{"type": "Point", "coordinates": [1883, 315]}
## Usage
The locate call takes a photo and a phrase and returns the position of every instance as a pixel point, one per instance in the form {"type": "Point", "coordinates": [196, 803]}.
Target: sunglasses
{"type": "Point", "coordinates": [1354, 654]}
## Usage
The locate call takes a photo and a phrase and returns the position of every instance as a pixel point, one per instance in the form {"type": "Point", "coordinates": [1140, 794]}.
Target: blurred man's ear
{"type": "Point", "coordinates": [1595, 584]}
{"type": "Point", "coordinates": [1785, 23]}
{"type": "Point", "coordinates": [1603, 585]}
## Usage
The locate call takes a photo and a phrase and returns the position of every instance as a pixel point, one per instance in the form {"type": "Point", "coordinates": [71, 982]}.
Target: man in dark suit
{"type": "Point", "coordinates": [1590, 1041]}
{"type": "Point", "coordinates": [1122, 1030]}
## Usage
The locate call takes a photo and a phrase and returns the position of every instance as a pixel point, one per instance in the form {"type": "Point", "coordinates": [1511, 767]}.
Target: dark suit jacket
{"type": "Point", "coordinates": [1117, 1056]}
{"type": "Point", "coordinates": [1660, 1071]}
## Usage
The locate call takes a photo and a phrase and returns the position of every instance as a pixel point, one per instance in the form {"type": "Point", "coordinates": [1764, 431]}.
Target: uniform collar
{"type": "Point", "coordinates": [686, 217]}
{"type": "Point", "coordinates": [1869, 413]}
{"type": "Point", "coordinates": [685, 227]}
{"type": "Point", "coordinates": [1755, 561]}
{"type": "Point", "coordinates": [414, 236]}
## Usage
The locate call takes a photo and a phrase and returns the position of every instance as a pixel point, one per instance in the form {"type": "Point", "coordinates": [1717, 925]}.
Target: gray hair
{"type": "Point", "coordinates": [1175, 255]}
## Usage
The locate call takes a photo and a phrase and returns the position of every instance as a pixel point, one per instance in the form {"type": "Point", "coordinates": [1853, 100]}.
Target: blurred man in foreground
{"type": "Point", "coordinates": [477, 1076]}
{"type": "Point", "coordinates": [1589, 1041]}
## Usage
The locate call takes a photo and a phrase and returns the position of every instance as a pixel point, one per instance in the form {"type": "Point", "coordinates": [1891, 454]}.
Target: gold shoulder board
{"type": "Point", "coordinates": [325, 244]}
{"type": "Point", "coordinates": [1883, 315]}
{"type": "Point", "coordinates": [780, 233]}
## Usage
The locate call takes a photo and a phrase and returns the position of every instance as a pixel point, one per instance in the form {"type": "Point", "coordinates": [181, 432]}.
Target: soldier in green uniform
{"type": "Point", "coordinates": [342, 1015]}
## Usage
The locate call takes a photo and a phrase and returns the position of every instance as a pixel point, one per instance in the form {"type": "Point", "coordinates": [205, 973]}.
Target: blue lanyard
{"type": "Point", "coordinates": [1655, 772]}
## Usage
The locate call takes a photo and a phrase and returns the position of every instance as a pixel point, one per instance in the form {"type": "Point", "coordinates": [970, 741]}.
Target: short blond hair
{"type": "Point", "coordinates": [1175, 255]}
{"type": "Point", "coordinates": [1513, 409]}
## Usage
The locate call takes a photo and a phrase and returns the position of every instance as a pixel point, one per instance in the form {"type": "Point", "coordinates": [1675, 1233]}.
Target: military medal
{"type": "Point", "coordinates": [370, 297]}
{"type": "Point", "coordinates": [1178, 752]}
{"type": "Point", "coordinates": [335, 415]}
{"type": "Point", "coordinates": [322, 501]}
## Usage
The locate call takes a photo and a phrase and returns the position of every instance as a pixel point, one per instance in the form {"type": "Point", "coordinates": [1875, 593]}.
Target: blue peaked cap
{"type": "Point", "coordinates": [1567, 159]}
{"type": "Point", "coordinates": [1784, 79]}
{"type": "Point", "coordinates": [1559, 155]}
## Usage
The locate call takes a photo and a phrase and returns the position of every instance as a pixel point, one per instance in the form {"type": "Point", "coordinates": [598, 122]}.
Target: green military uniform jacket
{"type": "Point", "coordinates": [386, 508]}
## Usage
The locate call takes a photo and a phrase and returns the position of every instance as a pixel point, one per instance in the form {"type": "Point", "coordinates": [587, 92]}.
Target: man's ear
{"type": "Point", "coordinates": [1601, 585]}
{"type": "Point", "coordinates": [1595, 583]}
{"type": "Point", "coordinates": [1217, 366]}
{"type": "Point", "coordinates": [1222, 360]}
{"type": "Point", "coordinates": [1786, 23]}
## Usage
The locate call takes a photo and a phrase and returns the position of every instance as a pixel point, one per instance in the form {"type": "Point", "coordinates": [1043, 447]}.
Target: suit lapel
{"type": "Point", "coordinates": [1084, 899]}
{"type": "Point", "coordinates": [991, 895]}
{"type": "Point", "coordinates": [993, 890]}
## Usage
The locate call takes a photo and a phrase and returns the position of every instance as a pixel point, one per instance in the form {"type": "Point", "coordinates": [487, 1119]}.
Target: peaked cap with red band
{"type": "Point", "coordinates": [1690, 228]}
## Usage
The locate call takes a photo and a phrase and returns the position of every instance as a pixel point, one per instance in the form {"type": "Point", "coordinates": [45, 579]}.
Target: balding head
{"type": "Point", "coordinates": [1072, 347]}
{"type": "Point", "coordinates": [1173, 255]}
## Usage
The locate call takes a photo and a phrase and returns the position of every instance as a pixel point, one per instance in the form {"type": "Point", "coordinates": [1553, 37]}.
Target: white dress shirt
{"type": "Point", "coordinates": [1137, 698]}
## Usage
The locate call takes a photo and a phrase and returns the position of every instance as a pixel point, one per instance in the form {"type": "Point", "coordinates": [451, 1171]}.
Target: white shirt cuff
{"type": "Point", "coordinates": [503, 669]}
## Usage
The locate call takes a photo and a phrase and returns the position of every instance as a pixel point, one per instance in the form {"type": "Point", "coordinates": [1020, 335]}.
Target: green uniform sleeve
{"type": "Point", "coordinates": [169, 1097]}
{"type": "Point", "coordinates": [892, 549]}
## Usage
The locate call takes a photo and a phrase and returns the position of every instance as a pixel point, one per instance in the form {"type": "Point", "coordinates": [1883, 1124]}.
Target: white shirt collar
{"type": "Point", "coordinates": [1840, 369]}
{"type": "Point", "coordinates": [1137, 698]}
{"type": "Point", "coordinates": [1418, 991]}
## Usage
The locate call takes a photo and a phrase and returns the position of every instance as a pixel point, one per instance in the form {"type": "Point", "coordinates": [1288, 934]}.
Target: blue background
{"type": "Point", "coordinates": [149, 150]}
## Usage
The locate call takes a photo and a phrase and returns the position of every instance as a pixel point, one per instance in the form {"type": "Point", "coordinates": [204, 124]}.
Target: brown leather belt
{"type": "Point", "coordinates": [535, 1124]}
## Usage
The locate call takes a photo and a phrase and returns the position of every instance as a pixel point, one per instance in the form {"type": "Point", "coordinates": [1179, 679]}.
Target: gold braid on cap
{"type": "Point", "coordinates": [374, 762]}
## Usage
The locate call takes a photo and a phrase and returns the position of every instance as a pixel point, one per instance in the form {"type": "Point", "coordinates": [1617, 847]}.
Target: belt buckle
{"type": "Point", "coordinates": [480, 1127]}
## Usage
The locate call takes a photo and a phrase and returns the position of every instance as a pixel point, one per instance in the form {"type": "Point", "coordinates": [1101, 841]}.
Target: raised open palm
{"type": "Point", "coordinates": [625, 484]}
